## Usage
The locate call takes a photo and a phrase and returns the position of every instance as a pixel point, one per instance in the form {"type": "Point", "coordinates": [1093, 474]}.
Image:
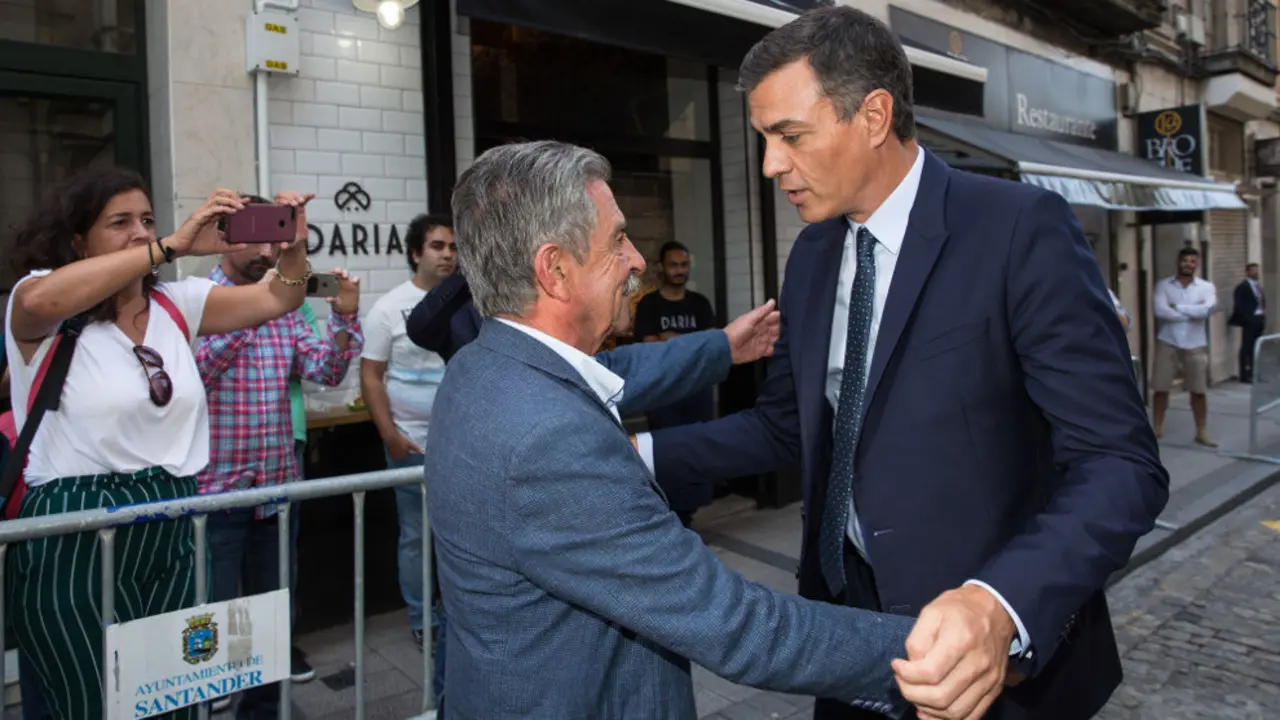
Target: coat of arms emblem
{"type": "Point", "coordinates": [200, 639]}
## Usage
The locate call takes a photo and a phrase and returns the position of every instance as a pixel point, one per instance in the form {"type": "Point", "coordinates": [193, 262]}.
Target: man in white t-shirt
{"type": "Point", "coordinates": [399, 380]}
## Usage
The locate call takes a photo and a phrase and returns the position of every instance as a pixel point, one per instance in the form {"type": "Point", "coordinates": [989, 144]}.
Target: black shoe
{"type": "Point", "coordinates": [299, 670]}
{"type": "Point", "coordinates": [417, 638]}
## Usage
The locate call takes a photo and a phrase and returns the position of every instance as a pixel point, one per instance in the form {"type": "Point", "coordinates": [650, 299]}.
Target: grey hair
{"type": "Point", "coordinates": [511, 201]}
{"type": "Point", "coordinates": [851, 53]}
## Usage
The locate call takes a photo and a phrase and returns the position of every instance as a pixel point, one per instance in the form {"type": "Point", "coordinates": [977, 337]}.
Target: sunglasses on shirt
{"type": "Point", "coordinates": [159, 383]}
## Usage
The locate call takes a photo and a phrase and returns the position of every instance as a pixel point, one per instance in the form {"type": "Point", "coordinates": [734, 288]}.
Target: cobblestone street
{"type": "Point", "coordinates": [1199, 628]}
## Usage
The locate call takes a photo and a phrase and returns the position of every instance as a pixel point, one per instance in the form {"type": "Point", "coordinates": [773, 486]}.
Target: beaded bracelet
{"type": "Point", "coordinates": [294, 283]}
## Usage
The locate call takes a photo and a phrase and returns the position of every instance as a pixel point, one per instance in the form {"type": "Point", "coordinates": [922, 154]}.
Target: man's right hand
{"type": "Point", "coordinates": [401, 447]}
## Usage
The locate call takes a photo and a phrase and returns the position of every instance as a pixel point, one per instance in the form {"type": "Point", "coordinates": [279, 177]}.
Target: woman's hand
{"type": "Point", "coordinates": [199, 235]}
{"type": "Point", "coordinates": [348, 299]}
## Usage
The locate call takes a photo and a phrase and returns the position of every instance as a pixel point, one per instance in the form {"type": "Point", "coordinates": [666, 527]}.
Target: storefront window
{"type": "Point", "coordinates": [670, 201]}
{"type": "Point", "coordinates": [650, 115]}
{"type": "Point", "coordinates": [42, 141]}
{"type": "Point", "coordinates": [99, 25]}
{"type": "Point", "coordinates": [533, 79]}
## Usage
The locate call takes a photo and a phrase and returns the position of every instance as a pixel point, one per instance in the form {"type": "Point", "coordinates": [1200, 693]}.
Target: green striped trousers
{"type": "Point", "coordinates": [55, 583]}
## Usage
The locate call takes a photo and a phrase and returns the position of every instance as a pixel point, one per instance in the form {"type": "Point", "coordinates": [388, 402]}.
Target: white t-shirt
{"type": "Point", "coordinates": [107, 422]}
{"type": "Point", "coordinates": [413, 374]}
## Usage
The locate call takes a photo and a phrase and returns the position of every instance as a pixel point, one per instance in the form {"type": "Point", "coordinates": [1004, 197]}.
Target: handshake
{"type": "Point", "coordinates": [957, 655]}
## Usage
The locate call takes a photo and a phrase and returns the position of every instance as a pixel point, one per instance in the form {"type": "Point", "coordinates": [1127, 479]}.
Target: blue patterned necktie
{"type": "Point", "coordinates": [853, 388]}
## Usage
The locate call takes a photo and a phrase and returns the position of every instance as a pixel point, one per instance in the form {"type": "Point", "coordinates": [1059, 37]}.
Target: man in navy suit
{"type": "Point", "coordinates": [1248, 312]}
{"type": "Point", "coordinates": [955, 384]}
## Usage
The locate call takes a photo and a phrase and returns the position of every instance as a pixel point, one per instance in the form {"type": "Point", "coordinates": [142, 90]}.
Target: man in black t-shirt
{"type": "Point", "coordinates": [670, 311]}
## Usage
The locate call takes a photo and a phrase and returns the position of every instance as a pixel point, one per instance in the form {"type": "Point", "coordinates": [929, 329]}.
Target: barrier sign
{"type": "Point", "coordinates": [162, 663]}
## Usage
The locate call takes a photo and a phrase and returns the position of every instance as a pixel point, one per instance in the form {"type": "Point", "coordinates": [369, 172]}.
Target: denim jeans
{"type": "Point", "coordinates": [412, 587]}
{"type": "Point", "coordinates": [245, 560]}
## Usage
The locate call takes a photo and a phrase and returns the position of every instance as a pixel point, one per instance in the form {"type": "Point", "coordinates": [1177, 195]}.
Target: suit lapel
{"type": "Point", "coordinates": [926, 235]}
{"type": "Point", "coordinates": [814, 328]}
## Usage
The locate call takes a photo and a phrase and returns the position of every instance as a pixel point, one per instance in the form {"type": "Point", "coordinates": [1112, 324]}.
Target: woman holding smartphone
{"type": "Point", "coordinates": [133, 425]}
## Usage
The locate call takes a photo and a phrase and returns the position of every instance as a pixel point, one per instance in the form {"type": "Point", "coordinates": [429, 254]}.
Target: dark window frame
{"type": "Point", "coordinates": [50, 71]}
{"type": "Point", "coordinates": [24, 65]}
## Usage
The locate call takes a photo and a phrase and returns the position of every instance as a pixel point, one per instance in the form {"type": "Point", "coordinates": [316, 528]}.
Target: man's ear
{"type": "Point", "coordinates": [548, 271]}
{"type": "Point", "coordinates": [877, 113]}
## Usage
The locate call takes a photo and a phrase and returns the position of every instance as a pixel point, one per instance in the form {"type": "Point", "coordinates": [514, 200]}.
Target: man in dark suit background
{"type": "Point", "coordinates": [955, 383]}
{"type": "Point", "coordinates": [1248, 312]}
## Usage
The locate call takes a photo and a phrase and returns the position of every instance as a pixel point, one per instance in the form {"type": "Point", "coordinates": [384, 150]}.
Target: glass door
{"type": "Point", "coordinates": [50, 128]}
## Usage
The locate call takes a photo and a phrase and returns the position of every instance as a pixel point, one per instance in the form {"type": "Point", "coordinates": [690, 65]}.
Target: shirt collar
{"type": "Point", "coordinates": [602, 381]}
{"type": "Point", "coordinates": [889, 222]}
{"type": "Point", "coordinates": [219, 277]}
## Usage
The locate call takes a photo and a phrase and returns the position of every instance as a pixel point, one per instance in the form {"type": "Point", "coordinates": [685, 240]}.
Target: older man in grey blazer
{"type": "Point", "coordinates": [572, 590]}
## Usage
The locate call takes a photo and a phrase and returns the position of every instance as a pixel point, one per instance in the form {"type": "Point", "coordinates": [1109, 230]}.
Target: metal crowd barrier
{"type": "Point", "coordinates": [106, 520]}
{"type": "Point", "coordinates": [1264, 394]}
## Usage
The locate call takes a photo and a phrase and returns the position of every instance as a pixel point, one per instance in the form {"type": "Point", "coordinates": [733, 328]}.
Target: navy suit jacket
{"type": "Point", "coordinates": [446, 319]}
{"type": "Point", "coordinates": [1004, 438]}
{"type": "Point", "coordinates": [1244, 305]}
{"type": "Point", "coordinates": [571, 590]}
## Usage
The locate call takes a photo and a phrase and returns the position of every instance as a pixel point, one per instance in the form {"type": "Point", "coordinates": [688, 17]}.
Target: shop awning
{"type": "Point", "coordinates": [770, 14]}
{"type": "Point", "coordinates": [1082, 175]}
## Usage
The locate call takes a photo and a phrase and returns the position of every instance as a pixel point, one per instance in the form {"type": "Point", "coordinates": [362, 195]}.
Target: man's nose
{"type": "Point", "coordinates": [775, 160]}
{"type": "Point", "coordinates": [637, 263]}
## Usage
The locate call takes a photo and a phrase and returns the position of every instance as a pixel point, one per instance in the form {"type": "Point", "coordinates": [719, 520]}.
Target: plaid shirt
{"type": "Point", "coordinates": [246, 374]}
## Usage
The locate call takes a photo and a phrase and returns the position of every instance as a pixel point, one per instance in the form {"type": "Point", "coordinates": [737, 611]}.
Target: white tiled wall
{"type": "Point", "coordinates": [463, 120]}
{"type": "Point", "coordinates": [744, 284]}
{"type": "Point", "coordinates": [354, 114]}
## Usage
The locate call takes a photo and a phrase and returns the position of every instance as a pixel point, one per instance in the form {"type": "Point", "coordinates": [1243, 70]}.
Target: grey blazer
{"type": "Point", "coordinates": [571, 589]}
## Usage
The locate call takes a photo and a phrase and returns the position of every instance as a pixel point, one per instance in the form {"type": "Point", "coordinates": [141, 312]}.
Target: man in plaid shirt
{"type": "Point", "coordinates": [246, 375]}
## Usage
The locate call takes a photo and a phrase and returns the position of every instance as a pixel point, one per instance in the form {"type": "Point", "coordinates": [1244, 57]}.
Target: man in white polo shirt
{"type": "Point", "coordinates": [1183, 304]}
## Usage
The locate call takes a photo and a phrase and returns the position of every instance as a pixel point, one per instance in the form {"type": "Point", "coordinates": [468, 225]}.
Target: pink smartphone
{"type": "Point", "coordinates": [261, 223]}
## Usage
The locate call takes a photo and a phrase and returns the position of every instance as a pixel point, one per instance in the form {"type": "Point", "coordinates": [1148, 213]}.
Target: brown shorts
{"type": "Point", "coordinates": [1194, 364]}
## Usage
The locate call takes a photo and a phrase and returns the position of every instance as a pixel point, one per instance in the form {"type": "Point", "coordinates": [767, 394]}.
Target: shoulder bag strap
{"type": "Point", "coordinates": [163, 301]}
{"type": "Point", "coordinates": [46, 394]}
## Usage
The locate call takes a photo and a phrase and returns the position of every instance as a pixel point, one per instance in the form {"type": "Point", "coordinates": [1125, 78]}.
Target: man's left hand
{"type": "Point", "coordinates": [957, 655]}
{"type": "Point", "coordinates": [753, 334]}
{"type": "Point", "coordinates": [348, 299]}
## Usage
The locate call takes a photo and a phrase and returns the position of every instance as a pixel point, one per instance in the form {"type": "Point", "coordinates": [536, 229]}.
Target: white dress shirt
{"type": "Point", "coordinates": [1183, 311]}
{"type": "Point", "coordinates": [1257, 293]}
{"type": "Point", "coordinates": [602, 381]}
{"type": "Point", "coordinates": [889, 226]}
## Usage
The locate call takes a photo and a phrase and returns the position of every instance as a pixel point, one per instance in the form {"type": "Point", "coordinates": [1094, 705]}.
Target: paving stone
{"type": "Point", "coordinates": [1199, 625]}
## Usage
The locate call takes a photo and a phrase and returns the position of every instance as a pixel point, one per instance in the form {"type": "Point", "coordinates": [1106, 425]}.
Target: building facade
{"type": "Point", "coordinates": [1081, 97]}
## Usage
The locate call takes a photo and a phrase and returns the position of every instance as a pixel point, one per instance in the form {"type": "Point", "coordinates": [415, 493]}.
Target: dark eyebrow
{"type": "Point", "coordinates": [784, 125]}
